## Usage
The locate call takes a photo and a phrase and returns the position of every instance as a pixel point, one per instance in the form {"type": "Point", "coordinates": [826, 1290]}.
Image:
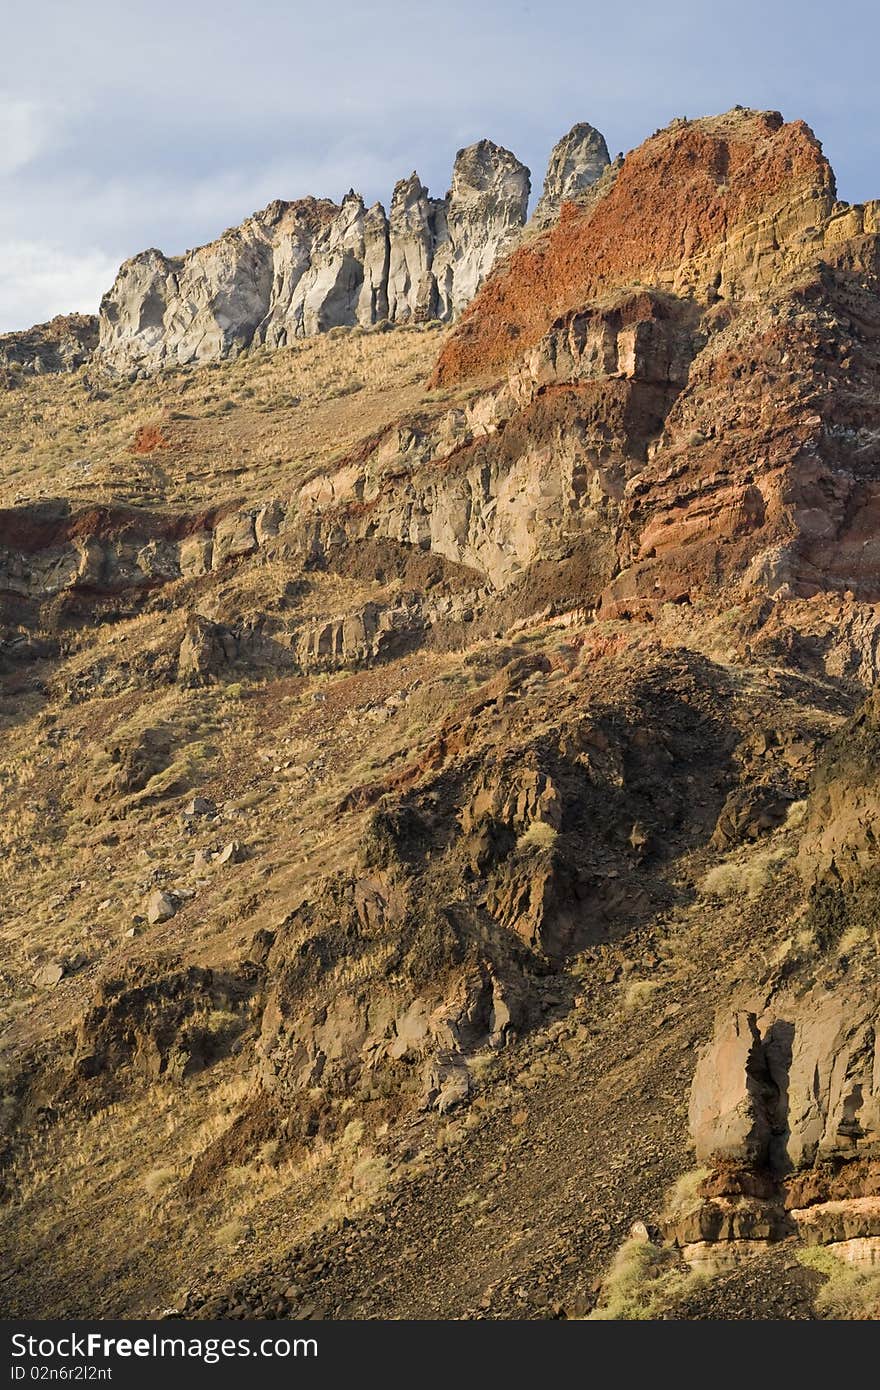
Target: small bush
{"type": "Point", "coordinates": [853, 938]}
{"type": "Point", "coordinates": [644, 1281]}
{"type": "Point", "coordinates": [370, 1175]}
{"type": "Point", "coordinates": [539, 835]}
{"type": "Point", "coordinates": [157, 1181]}
{"type": "Point", "coordinates": [685, 1192]}
{"type": "Point", "coordinates": [638, 993]}
{"type": "Point", "coordinates": [231, 1233]}
{"type": "Point", "coordinates": [848, 1292]}
{"type": "Point", "coordinates": [748, 877]}
{"type": "Point", "coordinates": [353, 1134]}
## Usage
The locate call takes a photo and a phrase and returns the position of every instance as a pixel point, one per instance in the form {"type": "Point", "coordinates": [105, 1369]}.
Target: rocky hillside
{"type": "Point", "coordinates": [439, 772]}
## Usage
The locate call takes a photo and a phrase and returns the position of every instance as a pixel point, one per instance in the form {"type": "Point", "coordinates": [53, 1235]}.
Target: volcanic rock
{"type": "Point", "coordinates": [417, 223]}
{"type": "Point", "coordinates": [161, 907]}
{"type": "Point", "coordinates": [301, 268]}
{"type": "Point", "coordinates": [485, 212]}
{"type": "Point", "coordinates": [62, 345]}
{"type": "Point", "coordinates": [576, 162]}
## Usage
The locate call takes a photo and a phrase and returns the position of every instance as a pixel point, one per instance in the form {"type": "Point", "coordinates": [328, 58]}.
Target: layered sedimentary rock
{"type": "Point", "coordinates": [652, 444]}
{"type": "Point", "coordinates": [706, 209]}
{"type": "Point", "coordinates": [576, 162]}
{"type": "Point", "coordinates": [301, 268]}
{"type": "Point", "coordinates": [764, 289]}
{"type": "Point", "coordinates": [785, 1120]}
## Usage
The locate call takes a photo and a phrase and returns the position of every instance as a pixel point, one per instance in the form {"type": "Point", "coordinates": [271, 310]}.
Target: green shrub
{"type": "Point", "coordinates": [644, 1281]}
{"type": "Point", "coordinates": [848, 1292]}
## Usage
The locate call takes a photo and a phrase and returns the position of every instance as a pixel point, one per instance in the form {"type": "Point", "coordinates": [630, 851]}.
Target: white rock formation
{"type": "Point", "coordinates": [298, 226]}
{"type": "Point", "coordinates": [301, 268]}
{"type": "Point", "coordinates": [416, 224]}
{"type": "Point", "coordinates": [486, 211]}
{"type": "Point", "coordinates": [346, 282]}
{"type": "Point", "coordinates": [576, 162]}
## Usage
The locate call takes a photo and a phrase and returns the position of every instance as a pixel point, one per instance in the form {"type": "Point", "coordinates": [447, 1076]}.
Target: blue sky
{"type": "Point", "coordinates": [134, 123]}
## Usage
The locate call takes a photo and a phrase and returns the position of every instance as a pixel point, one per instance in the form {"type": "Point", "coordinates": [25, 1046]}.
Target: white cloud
{"type": "Point", "coordinates": [24, 132]}
{"type": "Point", "coordinates": [40, 279]}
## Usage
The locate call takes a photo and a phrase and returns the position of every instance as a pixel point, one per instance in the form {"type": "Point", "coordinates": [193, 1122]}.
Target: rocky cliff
{"type": "Point", "coordinates": [709, 209]}
{"type": "Point", "coordinates": [296, 269]}
{"type": "Point", "coordinates": [302, 268]}
{"type": "Point", "coordinates": [576, 162]}
{"type": "Point", "coordinates": [475, 817]}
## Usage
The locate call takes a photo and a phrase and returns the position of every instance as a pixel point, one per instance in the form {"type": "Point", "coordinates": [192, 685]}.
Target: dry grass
{"type": "Point", "coordinates": [746, 875]}
{"type": "Point", "coordinates": [684, 1193]}
{"type": "Point", "coordinates": [255, 425]}
{"type": "Point", "coordinates": [644, 1282]}
{"type": "Point", "coordinates": [638, 993]}
{"type": "Point", "coordinates": [848, 1292]}
{"type": "Point", "coordinates": [539, 836]}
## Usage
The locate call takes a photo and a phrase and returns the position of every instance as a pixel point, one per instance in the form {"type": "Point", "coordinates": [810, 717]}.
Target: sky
{"type": "Point", "coordinates": [133, 123]}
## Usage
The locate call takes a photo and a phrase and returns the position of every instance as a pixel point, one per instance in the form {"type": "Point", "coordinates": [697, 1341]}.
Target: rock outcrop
{"type": "Point", "coordinates": [417, 226]}
{"type": "Point", "coordinates": [301, 268]}
{"type": "Point", "coordinates": [211, 302]}
{"type": "Point", "coordinates": [485, 211]}
{"type": "Point", "coordinates": [344, 280]}
{"type": "Point", "coordinates": [792, 1086]}
{"type": "Point", "coordinates": [61, 345]}
{"type": "Point", "coordinates": [576, 162]}
{"type": "Point", "coordinates": [785, 1111]}
{"type": "Point", "coordinates": [705, 209]}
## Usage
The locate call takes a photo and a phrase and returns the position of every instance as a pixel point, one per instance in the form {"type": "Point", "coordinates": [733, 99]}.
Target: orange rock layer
{"type": "Point", "coordinates": [678, 202]}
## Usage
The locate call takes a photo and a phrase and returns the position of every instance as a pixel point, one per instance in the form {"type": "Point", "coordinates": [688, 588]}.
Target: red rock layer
{"type": "Point", "coordinates": [680, 194]}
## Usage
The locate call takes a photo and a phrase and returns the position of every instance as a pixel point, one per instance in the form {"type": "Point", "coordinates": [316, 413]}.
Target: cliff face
{"type": "Point", "coordinates": [297, 269]}
{"type": "Point", "coordinates": [755, 285]}
{"type": "Point", "coordinates": [706, 208]}
{"type": "Point", "coordinates": [302, 268]}
{"type": "Point", "coordinates": [500, 758]}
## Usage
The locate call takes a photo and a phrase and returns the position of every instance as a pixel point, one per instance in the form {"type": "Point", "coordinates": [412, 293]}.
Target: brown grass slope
{"type": "Point", "coordinates": [469, 816]}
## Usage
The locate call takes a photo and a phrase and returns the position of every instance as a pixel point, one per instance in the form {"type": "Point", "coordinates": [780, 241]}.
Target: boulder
{"type": "Point", "coordinates": [49, 975]}
{"type": "Point", "coordinates": [729, 1104]}
{"type": "Point", "coordinates": [161, 907]}
{"type": "Point", "coordinates": [233, 853]}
